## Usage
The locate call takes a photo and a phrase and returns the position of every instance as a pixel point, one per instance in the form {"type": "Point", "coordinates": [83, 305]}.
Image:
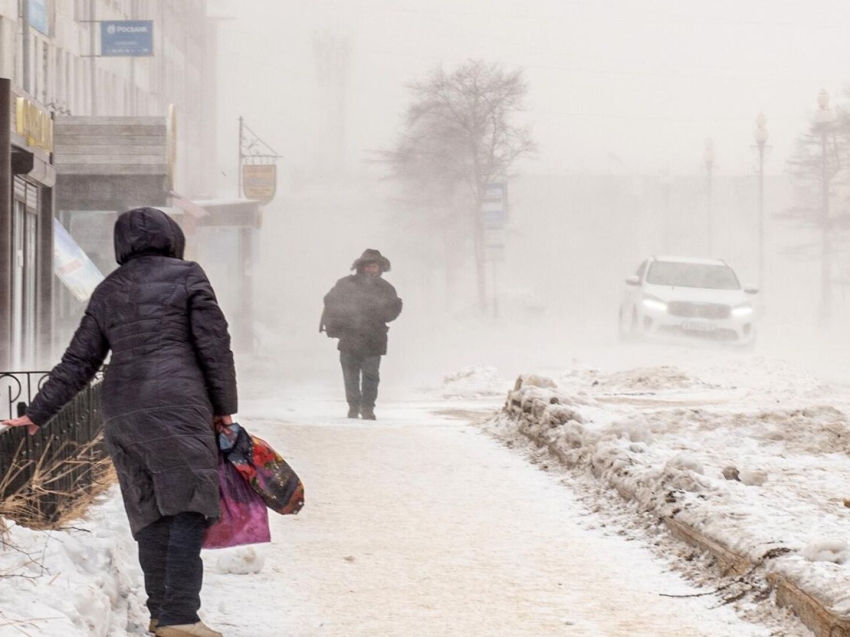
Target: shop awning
{"type": "Point", "coordinates": [72, 265]}
{"type": "Point", "coordinates": [187, 205]}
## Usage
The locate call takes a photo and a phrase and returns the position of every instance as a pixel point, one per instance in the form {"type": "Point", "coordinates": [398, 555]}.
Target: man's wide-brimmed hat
{"type": "Point", "coordinates": [372, 256]}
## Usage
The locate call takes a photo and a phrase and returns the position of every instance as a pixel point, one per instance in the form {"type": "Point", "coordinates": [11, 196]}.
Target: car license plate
{"type": "Point", "coordinates": [699, 327]}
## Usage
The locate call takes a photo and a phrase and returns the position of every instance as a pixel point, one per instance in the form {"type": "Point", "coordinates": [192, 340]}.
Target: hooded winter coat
{"type": "Point", "coordinates": [171, 371]}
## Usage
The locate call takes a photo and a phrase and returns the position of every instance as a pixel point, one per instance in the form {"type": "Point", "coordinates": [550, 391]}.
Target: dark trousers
{"type": "Point", "coordinates": [362, 375]}
{"type": "Point", "coordinates": [170, 555]}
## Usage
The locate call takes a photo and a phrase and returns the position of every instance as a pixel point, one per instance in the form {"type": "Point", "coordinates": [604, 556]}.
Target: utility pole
{"type": "Point", "coordinates": [824, 119]}
{"type": "Point", "coordinates": [708, 157]}
{"type": "Point", "coordinates": [760, 136]}
{"type": "Point", "coordinates": [241, 154]}
{"type": "Point", "coordinates": [332, 55]}
{"type": "Point", "coordinates": [665, 181]}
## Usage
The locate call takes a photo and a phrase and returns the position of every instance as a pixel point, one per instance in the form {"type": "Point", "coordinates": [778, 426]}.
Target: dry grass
{"type": "Point", "coordinates": [63, 485]}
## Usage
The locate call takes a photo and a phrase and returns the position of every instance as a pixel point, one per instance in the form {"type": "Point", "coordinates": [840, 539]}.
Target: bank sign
{"type": "Point", "coordinates": [126, 38]}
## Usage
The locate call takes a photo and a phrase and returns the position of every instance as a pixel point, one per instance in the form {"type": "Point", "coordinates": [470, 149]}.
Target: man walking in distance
{"type": "Point", "coordinates": [357, 310]}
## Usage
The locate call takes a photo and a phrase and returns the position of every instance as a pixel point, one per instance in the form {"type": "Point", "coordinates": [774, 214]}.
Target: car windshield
{"type": "Point", "coordinates": [693, 275]}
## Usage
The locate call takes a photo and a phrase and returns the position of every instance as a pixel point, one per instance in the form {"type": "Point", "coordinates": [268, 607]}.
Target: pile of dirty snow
{"type": "Point", "coordinates": [768, 484]}
{"type": "Point", "coordinates": [645, 380]}
{"type": "Point", "coordinates": [474, 381]}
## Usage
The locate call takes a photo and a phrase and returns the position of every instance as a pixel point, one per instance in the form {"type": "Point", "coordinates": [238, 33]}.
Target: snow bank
{"type": "Point", "coordinates": [641, 380]}
{"type": "Point", "coordinates": [474, 381]}
{"type": "Point", "coordinates": [82, 581]}
{"type": "Point", "coordinates": [767, 484]}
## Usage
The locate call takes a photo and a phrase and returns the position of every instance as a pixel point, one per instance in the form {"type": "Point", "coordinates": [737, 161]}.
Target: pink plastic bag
{"type": "Point", "coordinates": [244, 516]}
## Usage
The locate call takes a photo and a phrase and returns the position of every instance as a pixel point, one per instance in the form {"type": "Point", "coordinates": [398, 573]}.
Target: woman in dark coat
{"type": "Point", "coordinates": [170, 381]}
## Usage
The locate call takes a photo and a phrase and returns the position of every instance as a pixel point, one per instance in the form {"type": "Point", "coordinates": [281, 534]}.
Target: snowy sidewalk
{"type": "Point", "coordinates": [418, 526]}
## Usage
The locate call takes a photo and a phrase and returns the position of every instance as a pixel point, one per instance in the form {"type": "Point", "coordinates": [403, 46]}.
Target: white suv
{"type": "Point", "coordinates": [678, 296]}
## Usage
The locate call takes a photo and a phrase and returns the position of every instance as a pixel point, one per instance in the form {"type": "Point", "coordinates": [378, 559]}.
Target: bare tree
{"type": "Point", "coordinates": [459, 135]}
{"type": "Point", "coordinates": [820, 172]}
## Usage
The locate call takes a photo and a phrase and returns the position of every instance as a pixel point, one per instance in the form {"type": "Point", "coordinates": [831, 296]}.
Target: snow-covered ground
{"type": "Point", "coordinates": [84, 580]}
{"type": "Point", "coordinates": [751, 451]}
{"type": "Point", "coordinates": [423, 524]}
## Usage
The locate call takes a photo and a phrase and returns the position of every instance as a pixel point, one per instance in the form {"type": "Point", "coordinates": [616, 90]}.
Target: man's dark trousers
{"type": "Point", "coordinates": [361, 394]}
{"type": "Point", "coordinates": [170, 555]}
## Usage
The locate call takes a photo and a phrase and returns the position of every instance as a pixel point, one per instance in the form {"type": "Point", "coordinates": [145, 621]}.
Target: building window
{"type": "Point", "coordinates": [69, 61]}
{"type": "Point", "coordinates": [49, 90]}
{"type": "Point", "coordinates": [81, 10]}
{"type": "Point", "coordinates": [58, 78]}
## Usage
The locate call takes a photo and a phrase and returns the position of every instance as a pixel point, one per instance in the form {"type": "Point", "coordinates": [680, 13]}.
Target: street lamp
{"type": "Point", "coordinates": [823, 121]}
{"type": "Point", "coordinates": [708, 157]}
{"type": "Point", "coordinates": [760, 134]}
{"type": "Point", "coordinates": [665, 182]}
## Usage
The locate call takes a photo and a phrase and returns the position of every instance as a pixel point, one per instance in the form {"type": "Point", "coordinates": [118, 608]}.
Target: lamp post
{"type": "Point", "coordinates": [823, 121]}
{"type": "Point", "coordinates": [760, 134]}
{"type": "Point", "coordinates": [665, 182]}
{"type": "Point", "coordinates": [708, 157]}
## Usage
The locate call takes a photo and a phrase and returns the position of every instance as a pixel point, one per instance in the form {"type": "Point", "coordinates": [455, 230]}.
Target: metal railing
{"type": "Point", "coordinates": [43, 474]}
{"type": "Point", "coordinates": [17, 389]}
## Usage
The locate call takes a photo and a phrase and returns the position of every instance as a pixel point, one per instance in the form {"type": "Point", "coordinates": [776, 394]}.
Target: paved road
{"type": "Point", "coordinates": [422, 526]}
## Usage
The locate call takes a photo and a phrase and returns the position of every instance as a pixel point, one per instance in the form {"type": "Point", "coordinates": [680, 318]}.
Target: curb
{"type": "Point", "coordinates": [811, 611]}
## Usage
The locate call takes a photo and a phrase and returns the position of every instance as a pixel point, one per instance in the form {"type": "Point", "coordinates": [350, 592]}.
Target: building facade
{"type": "Point", "coordinates": [57, 61]}
{"type": "Point", "coordinates": [58, 83]}
{"type": "Point", "coordinates": [27, 181]}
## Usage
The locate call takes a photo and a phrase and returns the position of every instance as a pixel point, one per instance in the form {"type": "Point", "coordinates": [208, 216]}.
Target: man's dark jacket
{"type": "Point", "coordinates": [171, 371]}
{"type": "Point", "coordinates": [357, 310]}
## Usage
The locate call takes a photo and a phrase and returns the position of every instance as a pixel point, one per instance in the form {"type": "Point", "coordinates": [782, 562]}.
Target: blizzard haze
{"type": "Point", "coordinates": [621, 99]}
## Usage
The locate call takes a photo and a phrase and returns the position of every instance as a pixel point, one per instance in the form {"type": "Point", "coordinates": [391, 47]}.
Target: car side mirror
{"type": "Point", "coordinates": [751, 289]}
{"type": "Point", "coordinates": [633, 280]}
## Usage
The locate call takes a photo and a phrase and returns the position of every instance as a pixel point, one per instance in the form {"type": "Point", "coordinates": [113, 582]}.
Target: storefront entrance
{"type": "Point", "coordinates": [26, 230]}
{"type": "Point", "coordinates": [25, 274]}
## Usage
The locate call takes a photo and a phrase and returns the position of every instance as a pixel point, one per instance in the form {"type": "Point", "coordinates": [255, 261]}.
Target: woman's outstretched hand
{"type": "Point", "coordinates": [23, 421]}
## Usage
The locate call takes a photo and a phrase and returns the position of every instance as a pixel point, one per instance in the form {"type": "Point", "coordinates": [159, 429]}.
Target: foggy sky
{"type": "Point", "coordinates": [615, 85]}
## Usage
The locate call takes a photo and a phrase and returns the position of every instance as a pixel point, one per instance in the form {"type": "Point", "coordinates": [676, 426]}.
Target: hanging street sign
{"type": "Point", "coordinates": [126, 38]}
{"type": "Point", "coordinates": [259, 181]}
{"type": "Point", "coordinates": [257, 169]}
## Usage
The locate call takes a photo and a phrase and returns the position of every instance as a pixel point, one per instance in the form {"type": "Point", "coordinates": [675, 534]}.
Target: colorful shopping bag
{"type": "Point", "coordinates": [244, 516]}
{"type": "Point", "coordinates": [264, 469]}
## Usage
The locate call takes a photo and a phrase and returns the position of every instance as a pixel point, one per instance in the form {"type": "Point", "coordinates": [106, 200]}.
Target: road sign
{"type": "Point", "coordinates": [494, 244]}
{"type": "Point", "coordinates": [126, 38]}
{"type": "Point", "coordinates": [494, 208]}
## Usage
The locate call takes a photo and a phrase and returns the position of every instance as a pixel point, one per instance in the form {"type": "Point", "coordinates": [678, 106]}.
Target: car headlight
{"type": "Point", "coordinates": [742, 311]}
{"type": "Point", "coordinates": [655, 305]}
